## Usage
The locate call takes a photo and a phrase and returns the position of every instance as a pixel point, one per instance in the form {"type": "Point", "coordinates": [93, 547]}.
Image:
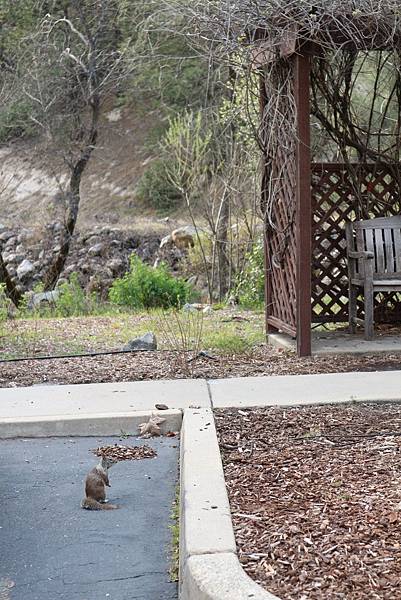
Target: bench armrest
{"type": "Point", "coordinates": [365, 254]}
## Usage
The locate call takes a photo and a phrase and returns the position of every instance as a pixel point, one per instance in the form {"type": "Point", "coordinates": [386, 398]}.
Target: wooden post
{"type": "Point", "coordinates": [303, 204]}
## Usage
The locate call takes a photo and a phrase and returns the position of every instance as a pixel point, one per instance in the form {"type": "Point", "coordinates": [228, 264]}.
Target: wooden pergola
{"type": "Point", "coordinates": [309, 202]}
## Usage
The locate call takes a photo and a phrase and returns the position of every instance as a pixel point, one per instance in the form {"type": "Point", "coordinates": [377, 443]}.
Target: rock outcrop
{"type": "Point", "coordinates": [97, 256]}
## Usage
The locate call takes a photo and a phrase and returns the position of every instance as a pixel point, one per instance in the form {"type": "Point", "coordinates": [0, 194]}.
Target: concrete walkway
{"type": "Point", "coordinates": [326, 343]}
{"type": "Point", "coordinates": [108, 401]}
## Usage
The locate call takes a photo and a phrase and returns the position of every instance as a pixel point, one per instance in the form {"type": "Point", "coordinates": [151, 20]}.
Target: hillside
{"type": "Point", "coordinates": [109, 185]}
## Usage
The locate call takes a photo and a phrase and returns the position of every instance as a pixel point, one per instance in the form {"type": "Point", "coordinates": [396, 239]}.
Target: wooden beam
{"type": "Point", "coordinates": [303, 202]}
{"type": "Point", "coordinates": [279, 325]}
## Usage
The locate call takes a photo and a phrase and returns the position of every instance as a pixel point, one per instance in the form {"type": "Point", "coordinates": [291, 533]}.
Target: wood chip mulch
{"type": "Point", "coordinates": [121, 452]}
{"type": "Point", "coordinates": [263, 360]}
{"type": "Point", "coordinates": [315, 496]}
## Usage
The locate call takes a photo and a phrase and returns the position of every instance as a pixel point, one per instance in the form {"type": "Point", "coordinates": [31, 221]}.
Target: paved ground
{"type": "Point", "coordinates": [341, 342]}
{"type": "Point", "coordinates": [51, 548]}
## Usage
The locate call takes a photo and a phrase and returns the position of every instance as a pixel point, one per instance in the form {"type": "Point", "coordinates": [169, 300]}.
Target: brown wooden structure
{"type": "Point", "coordinates": [310, 203]}
{"type": "Point", "coordinates": [374, 264]}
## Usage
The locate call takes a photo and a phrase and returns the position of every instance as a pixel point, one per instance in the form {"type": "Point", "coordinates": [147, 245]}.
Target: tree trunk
{"type": "Point", "coordinates": [11, 290]}
{"type": "Point", "coordinates": [54, 271]}
{"type": "Point", "coordinates": [222, 246]}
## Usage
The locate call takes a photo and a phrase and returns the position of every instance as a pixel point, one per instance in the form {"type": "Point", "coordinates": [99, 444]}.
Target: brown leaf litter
{"type": "Point", "coordinates": [263, 360]}
{"type": "Point", "coordinates": [315, 495]}
{"type": "Point", "coordinates": [121, 452]}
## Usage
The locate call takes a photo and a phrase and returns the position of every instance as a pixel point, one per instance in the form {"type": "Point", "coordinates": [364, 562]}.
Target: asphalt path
{"type": "Point", "coordinates": [52, 549]}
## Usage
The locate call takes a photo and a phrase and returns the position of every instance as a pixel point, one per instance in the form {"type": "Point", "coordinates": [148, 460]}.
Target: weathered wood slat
{"type": "Point", "coordinates": [380, 252]}
{"type": "Point", "coordinates": [369, 246]}
{"type": "Point", "coordinates": [378, 222]}
{"type": "Point", "coordinates": [397, 247]}
{"type": "Point", "coordinates": [389, 252]}
{"type": "Point", "coordinates": [381, 238]}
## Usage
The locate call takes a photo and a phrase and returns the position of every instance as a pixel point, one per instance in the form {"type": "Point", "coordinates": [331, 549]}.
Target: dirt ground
{"type": "Point", "coordinates": [315, 495]}
{"type": "Point", "coordinates": [262, 360]}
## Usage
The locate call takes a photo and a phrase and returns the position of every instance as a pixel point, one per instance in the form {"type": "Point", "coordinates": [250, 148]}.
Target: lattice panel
{"type": "Point", "coordinates": [282, 247]}
{"type": "Point", "coordinates": [340, 195]}
{"type": "Point", "coordinates": [281, 239]}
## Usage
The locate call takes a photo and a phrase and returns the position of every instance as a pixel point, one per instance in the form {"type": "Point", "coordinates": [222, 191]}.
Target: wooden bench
{"type": "Point", "coordinates": [374, 263]}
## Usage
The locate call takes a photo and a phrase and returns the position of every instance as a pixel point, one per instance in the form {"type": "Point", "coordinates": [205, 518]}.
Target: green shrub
{"type": "Point", "coordinates": [250, 282]}
{"type": "Point", "coordinates": [147, 287]}
{"type": "Point", "coordinates": [73, 301]}
{"type": "Point", "coordinates": [156, 190]}
{"type": "Point", "coordinates": [4, 303]}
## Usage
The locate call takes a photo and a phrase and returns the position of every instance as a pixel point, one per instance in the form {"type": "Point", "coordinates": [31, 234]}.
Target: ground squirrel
{"type": "Point", "coordinates": [95, 486]}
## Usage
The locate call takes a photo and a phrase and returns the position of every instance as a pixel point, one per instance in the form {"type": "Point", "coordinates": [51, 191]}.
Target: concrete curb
{"type": "Point", "coordinates": [86, 425]}
{"type": "Point", "coordinates": [219, 577]}
{"type": "Point", "coordinates": [209, 567]}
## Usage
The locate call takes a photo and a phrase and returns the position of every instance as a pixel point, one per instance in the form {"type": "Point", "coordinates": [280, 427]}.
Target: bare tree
{"type": "Point", "coordinates": [74, 65]}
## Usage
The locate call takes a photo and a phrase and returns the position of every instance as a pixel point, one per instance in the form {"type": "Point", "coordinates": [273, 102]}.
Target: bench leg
{"type": "Point", "coordinates": [352, 295]}
{"type": "Point", "coordinates": [368, 312]}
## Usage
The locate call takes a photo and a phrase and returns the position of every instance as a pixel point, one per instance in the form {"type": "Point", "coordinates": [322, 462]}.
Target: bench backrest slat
{"type": "Point", "coordinates": [389, 252]}
{"type": "Point", "coordinates": [397, 247]}
{"type": "Point", "coordinates": [382, 236]}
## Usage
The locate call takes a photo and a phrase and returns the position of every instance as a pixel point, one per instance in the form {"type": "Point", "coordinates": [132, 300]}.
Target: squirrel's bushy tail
{"type": "Point", "coordinates": [91, 504]}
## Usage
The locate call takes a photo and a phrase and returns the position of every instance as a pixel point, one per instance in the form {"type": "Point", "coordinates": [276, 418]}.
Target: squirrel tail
{"type": "Point", "coordinates": [91, 504]}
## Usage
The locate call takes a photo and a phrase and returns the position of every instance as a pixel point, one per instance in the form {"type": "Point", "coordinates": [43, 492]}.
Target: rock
{"type": "Point", "coordinates": [6, 235]}
{"type": "Point", "coordinates": [192, 280]}
{"type": "Point", "coordinates": [189, 308]}
{"type": "Point", "coordinates": [30, 236]}
{"type": "Point", "coordinates": [145, 342]}
{"type": "Point", "coordinates": [93, 240]}
{"type": "Point", "coordinates": [84, 268]}
{"type": "Point", "coordinates": [25, 268]}
{"type": "Point", "coordinates": [9, 258]}
{"type": "Point", "coordinates": [197, 307]}
{"type": "Point", "coordinates": [70, 269]}
{"type": "Point", "coordinates": [11, 242]}
{"type": "Point", "coordinates": [166, 241]}
{"type": "Point", "coordinates": [116, 265]}
{"type": "Point", "coordinates": [96, 250]}
{"type": "Point", "coordinates": [207, 310]}
{"type": "Point", "coordinates": [183, 237]}
{"type": "Point", "coordinates": [106, 273]}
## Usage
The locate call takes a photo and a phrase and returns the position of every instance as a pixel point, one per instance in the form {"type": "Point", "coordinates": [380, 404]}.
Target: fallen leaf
{"type": "Point", "coordinates": [152, 427]}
